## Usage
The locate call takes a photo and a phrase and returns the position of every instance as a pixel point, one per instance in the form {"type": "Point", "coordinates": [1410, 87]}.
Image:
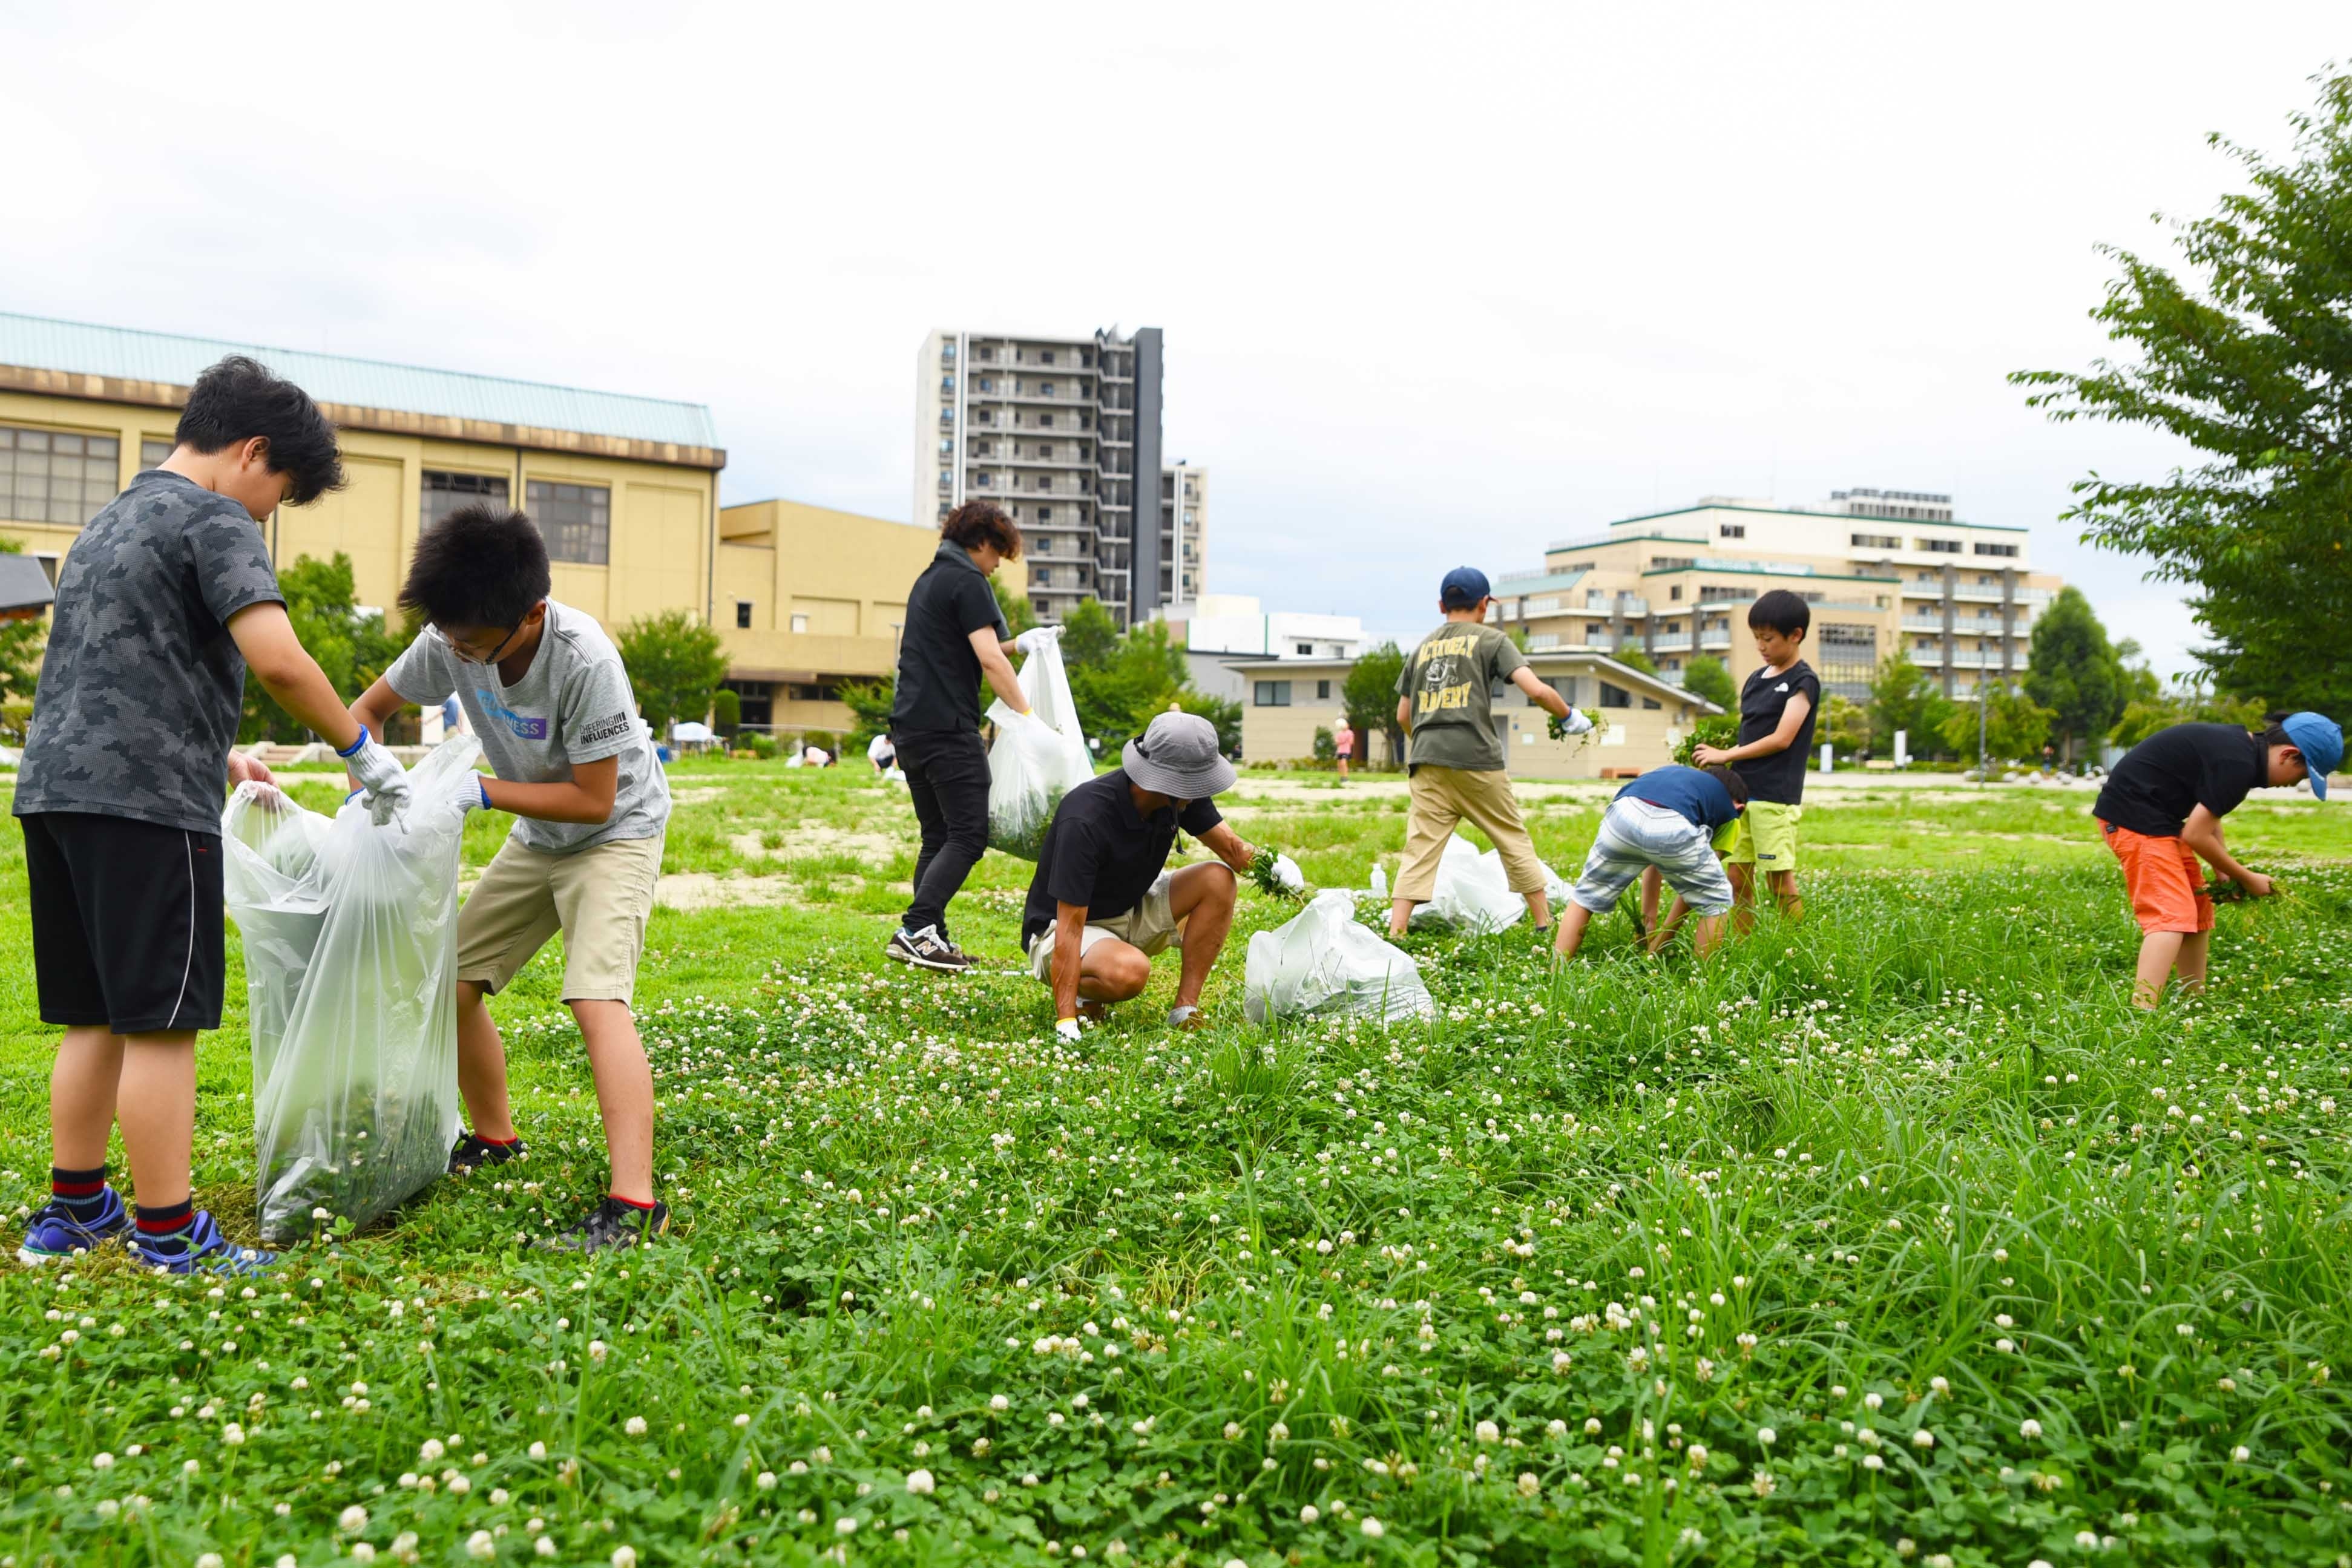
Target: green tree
{"type": "Point", "coordinates": [2073, 670]}
{"type": "Point", "coordinates": [2139, 682]}
{"type": "Point", "coordinates": [870, 703]}
{"type": "Point", "coordinates": [726, 712]}
{"type": "Point", "coordinates": [1635, 659]}
{"type": "Point", "coordinates": [1845, 725]}
{"type": "Point", "coordinates": [675, 664]}
{"type": "Point", "coordinates": [353, 647]}
{"type": "Point", "coordinates": [2014, 725]}
{"type": "Point", "coordinates": [1089, 636]}
{"type": "Point", "coordinates": [1222, 712]}
{"type": "Point", "coordinates": [2243, 356]}
{"type": "Point", "coordinates": [1901, 698]}
{"type": "Point", "coordinates": [20, 650]}
{"type": "Point", "coordinates": [1369, 697]}
{"type": "Point", "coordinates": [1707, 678]}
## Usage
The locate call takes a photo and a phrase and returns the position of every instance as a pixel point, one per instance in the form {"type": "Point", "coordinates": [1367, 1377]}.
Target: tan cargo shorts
{"type": "Point", "coordinates": [600, 898]}
{"type": "Point", "coordinates": [1150, 926]}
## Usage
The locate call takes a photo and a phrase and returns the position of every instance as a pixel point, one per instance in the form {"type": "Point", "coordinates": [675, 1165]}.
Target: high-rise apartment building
{"type": "Point", "coordinates": [1882, 569]}
{"type": "Point", "coordinates": [1057, 429]}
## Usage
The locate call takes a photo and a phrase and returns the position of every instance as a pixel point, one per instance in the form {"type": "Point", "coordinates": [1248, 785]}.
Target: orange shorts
{"type": "Point", "coordinates": [2164, 879]}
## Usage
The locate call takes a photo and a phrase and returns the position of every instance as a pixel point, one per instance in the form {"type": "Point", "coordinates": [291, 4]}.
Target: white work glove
{"type": "Point", "coordinates": [1286, 871]}
{"type": "Point", "coordinates": [381, 777]}
{"type": "Point", "coordinates": [1068, 1030]}
{"type": "Point", "coordinates": [477, 799]}
{"type": "Point", "coordinates": [1035, 638]}
{"type": "Point", "coordinates": [1578, 721]}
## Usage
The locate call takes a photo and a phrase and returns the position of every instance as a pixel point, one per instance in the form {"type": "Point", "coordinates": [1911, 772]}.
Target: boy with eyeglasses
{"type": "Point", "coordinates": [545, 691]}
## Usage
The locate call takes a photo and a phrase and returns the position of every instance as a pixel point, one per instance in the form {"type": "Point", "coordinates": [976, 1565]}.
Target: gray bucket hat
{"type": "Point", "coordinates": [1177, 757]}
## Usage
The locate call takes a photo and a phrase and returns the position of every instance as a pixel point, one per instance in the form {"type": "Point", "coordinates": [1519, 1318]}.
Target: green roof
{"type": "Point", "coordinates": [1546, 582]}
{"type": "Point", "coordinates": [36, 342]}
{"type": "Point", "coordinates": [1787, 512]}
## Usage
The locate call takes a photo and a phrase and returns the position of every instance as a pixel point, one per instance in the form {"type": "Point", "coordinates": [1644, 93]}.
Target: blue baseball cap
{"type": "Point", "coordinates": [1464, 587]}
{"type": "Point", "coordinates": [2317, 738]}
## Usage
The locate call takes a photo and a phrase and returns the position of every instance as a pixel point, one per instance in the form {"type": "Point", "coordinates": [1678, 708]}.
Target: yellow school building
{"type": "Point", "coordinates": [625, 489]}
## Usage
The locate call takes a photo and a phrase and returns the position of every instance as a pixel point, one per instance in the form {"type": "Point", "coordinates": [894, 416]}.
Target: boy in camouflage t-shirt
{"type": "Point", "coordinates": [166, 601]}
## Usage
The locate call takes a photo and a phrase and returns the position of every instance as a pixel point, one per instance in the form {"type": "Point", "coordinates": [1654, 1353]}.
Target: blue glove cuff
{"type": "Point", "coordinates": [353, 750]}
{"type": "Point", "coordinates": [483, 785]}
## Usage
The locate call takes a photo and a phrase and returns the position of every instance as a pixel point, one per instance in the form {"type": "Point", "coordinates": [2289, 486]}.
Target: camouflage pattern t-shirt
{"type": "Point", "coordinates": [141, 685]}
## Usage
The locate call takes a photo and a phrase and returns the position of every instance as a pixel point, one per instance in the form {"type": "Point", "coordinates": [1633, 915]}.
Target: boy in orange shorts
{"type": "Point", "coordinates": [2161, 810]}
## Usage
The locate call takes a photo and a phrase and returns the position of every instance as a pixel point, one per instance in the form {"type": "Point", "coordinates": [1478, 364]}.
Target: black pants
{"type": "Point", "coordinates": [947, 775]}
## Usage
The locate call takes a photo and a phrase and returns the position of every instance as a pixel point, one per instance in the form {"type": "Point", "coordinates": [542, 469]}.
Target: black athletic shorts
{"type": "Point", "coordinates": [126, 922]}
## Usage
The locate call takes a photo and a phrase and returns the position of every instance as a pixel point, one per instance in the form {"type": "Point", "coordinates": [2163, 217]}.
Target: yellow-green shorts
{"type": "Point", "coordinates": [1766, 837]}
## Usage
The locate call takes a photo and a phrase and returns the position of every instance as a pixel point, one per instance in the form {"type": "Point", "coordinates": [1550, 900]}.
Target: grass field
{"type": "Point", "coordinates": [1893, 1237]}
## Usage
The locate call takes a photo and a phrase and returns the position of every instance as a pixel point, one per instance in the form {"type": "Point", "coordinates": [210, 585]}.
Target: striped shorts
{"type": "Point", "coordinates": [1635, 835]}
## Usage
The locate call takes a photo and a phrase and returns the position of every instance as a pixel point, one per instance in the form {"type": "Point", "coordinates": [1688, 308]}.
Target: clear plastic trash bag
{"type": "Point", "coordinates": [1471, 895]}
{"type": "Point", "coordinates": [1555, 889]}
{"type": "Point", "coordinates": [1322, 961]}
{"type": "Point", "coordinates": [1036, 760]}
{"type": "Point", "coordinates": [351, 952]}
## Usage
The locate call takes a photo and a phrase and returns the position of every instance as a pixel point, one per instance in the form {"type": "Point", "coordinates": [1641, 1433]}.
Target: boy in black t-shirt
{"type": "Point", "coordinates": [1777, 706]}
{"type": "Point", "coordinates": [2161, 811]}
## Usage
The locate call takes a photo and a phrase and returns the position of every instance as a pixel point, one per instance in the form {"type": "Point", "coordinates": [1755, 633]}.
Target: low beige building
{"type": "Point", "coordinates": [811, 600]}
{"type": "Point", "coordinates": [1288, 700]}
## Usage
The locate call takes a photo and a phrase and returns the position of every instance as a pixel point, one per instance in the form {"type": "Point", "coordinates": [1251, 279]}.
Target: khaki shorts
{"type": "Point", "coordinates": [1151, 927]}
{"type": "Point", "coordinates": [1442, 797]}
{"type": "Point", "coordinates": [1767, 838]}
{"type": "Point", "coordinates": [599, 898]}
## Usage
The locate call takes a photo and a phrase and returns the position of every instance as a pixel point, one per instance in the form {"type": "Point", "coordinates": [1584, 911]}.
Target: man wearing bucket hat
{"type": "Point", "coordinates": [2161, 811]}
{"type": "Point", "coordinates": [1103, 901]}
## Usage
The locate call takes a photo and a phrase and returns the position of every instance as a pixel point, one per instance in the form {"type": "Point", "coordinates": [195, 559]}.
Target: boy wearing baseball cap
{"type": "Point", "coordinates": [2161, 811]}
{"type": "Point", "coordinates": [1454, 759]}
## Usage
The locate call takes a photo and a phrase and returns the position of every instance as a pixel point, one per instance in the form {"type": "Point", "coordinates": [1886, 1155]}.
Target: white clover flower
{"type": "Point", "coordinates": [844, 1525]}
{"type": "Point", "coordinates": [1766, 1436]}
{"type": "Point", "coordinates": [1529, 1485]}
{"type": "Point", "coordinates": [430, 1451]}
{"type": "Point", "coordinates": [1489, 1433]}
{"type": "Point", "coordinates": [2240, 1454]}
{"type": "Point", "coordinates": [1923, 1438]}
{"type": "Point", "coordinates": [102, 1462]}
{"type": "Point", "coordinates": [634, 1427]}
{"type": "Point", "coordinates": [1373, 1527]}
{"type": "Point", "coordinates": [209, 1560]}
{"type": "Point", "coordinates": [538, 1451]}
{"type": "Point", "coordinates": [743, 1420]}
{"type": "Point", "coordinates": [354, 1519]}
{"type": "Point", "coordinates": [622, 1556]}
{"type": "Point", "coordinates": [766, 1480]}
{"type": "Point", "coordinates": [1309, 1514]}
{"type": "Point", "coordinates": [998, 1402]}
{"type": "Point", "coordinates": [544, 1546]}
{"type": "Point", "coordinates": [481, 1546]}
{"type": "Point", "coordinates": [921, 1483]}
{"type": "Point", "coordinates": [2029, 1428]}
{"type": "Point", "coordinates": [363, 1553]}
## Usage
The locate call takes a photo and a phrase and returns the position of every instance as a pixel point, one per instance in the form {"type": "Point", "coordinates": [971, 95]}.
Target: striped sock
{"type": "Point", "coordinates": [81, 1193]}
{"type": "Point", "coordinates": [160, 1228]}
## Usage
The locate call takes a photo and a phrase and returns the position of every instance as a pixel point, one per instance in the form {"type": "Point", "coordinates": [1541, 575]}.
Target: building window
{"type": "Point", "coordinates": [1727, 531]}
{"type": "Point", "coordinates": [1878, 541]}
{"type": "Point", "coordinates": [1983, 548]}
{"type": "Point", "coordinates": [444, 493]}
{"type": "Point", "coordinates": [743, 615]}
{"type": "Point", "coordinates": [1044, 577]}
{"type": "Point", "coordinates": [1676, 591]}
{"type": "Point", "coordinates": [1939, 546]}
{"type": "Point", "coordinates": [1046, 422]}
{"type": "Point", "coordinates": [153, 451]}
{"type": "Point", "coordinates": [1044, 515]}
{"type": "Point", "coordinates": [1651, 702]}
{"type": "Point", "coordinates": [1045, 356]}
{"type": "Point", "coordinates": [1615, 696]}
{"type": "Point", "coordinates": [1849, 657]}
{"type": "Point", "coordinates": [49, 476]}
{"type": "Point", "coordinates": [800, 624]}
{"type": "Point", "coordinates": [1306, 650]}
{"type": "Point", "coordinates": [1271, 693]}
{"type": "Point", "coordinates": [1044, 389]}
{"type": "Point", "coordinates": [1322, 691]}
{"type": "Point", "coordinates": [575, 519]}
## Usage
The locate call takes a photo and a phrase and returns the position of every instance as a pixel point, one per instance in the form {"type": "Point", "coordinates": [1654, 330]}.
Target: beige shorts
{"type": "Point", "coordinates": [599, 898]}
{"type": "Point", "coordinates": [1150, 926]}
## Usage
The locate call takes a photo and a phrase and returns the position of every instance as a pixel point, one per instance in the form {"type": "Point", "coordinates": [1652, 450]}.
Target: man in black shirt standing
{"type": "Point", "coordinates": [954, 637]}
{"type": "Point", "coordinates": [1103, 900]}
{"type": "Point", "coordinates": [2161, 812]}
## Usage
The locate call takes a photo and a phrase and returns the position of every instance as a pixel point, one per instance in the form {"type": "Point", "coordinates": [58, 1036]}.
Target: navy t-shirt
{"type": "Point", "coordinates": [939, 673]}
{"type": "Point", "coordinates": [1701, 798]}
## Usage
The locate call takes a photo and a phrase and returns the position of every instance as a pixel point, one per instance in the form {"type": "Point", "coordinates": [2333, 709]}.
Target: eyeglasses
{"type": "Point", "coordinates": [469, 657]}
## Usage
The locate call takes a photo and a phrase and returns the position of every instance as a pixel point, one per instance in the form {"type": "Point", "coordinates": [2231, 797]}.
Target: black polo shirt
{"type": "Point", "coordinates": [939, 673]}
{"type": "Point", "coordinates": [1101, 851]}
{"type": "Point", "coordinates": [2179, 768]}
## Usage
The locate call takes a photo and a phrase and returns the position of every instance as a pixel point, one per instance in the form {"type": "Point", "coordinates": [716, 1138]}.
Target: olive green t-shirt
{"type": "Point", "coordinates": [1449, 679]}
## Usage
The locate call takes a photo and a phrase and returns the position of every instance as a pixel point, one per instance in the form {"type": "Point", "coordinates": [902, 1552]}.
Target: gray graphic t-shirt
{"type": "Point", "coordinates": [141, 685]}
{"type": "Point", "coordinates": [572, 705]}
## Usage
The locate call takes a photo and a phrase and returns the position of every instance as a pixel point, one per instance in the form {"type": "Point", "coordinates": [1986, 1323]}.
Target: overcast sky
{"type": "Point", "coordinates": [1439, 283]}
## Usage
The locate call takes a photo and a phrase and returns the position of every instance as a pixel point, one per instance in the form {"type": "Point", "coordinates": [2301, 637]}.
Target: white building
{"type": "Point", "coordinates": [1057, 430]}
{"type": "Point", "coordinates": [1219, 630]}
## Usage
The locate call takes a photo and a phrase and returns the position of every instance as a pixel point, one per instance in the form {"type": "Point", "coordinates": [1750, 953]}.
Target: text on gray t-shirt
{"type": "Point", "coordinates": [572, 705]}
